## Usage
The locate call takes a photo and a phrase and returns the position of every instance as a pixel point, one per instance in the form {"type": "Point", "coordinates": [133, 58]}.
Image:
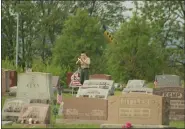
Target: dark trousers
{"type": "Point", "coordinates": [84, 75]}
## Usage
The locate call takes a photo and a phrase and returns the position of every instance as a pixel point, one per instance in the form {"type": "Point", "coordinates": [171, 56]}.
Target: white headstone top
{"type": "Point", "coordinates": [35, 85]}
{"type": "Point", "coordinates": [93, 93]}
{"type": "Point", "coordinates": [135, 83]}
{"type": "Point", "coordinates": [102, 84]}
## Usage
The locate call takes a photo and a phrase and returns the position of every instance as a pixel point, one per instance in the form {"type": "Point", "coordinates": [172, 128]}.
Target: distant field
{"type": "Point", "coordinates": [177, 124]}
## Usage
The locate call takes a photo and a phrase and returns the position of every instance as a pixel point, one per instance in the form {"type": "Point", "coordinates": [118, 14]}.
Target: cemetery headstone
{"type": "Point", "coordinates": [139, 90]}
{"type": "Point", "coordinates": [135, 84]}
{"type": "Point", "coordinates": [85, 108]}
{"type": "Point", "coordinates": [40, 113]}
{"type": "Point", "coordinates": [103, 84]}
{"type": "Point", "coordinates": [168, 81]}
{"type": "Point", "coordinates": [12, 108]}
{"type": "Point", "coordinates": [68, 81]}
{"type": "Point", "coordinates": [100, 76]}
{"type": "Point", "coordinates": [93, 93]}
{"type": "Point", "coordinates": [5, 80]}
{"type": "Point", "coordinates": [177, 101]}
{"type": "Point", "coordinates": [138, 109]}
{"type": "Point", "coordinates": [55, 81]}
{"type": "Point", "coordinates": [35, 85]}
{"type": "Point", "coordinates": [12, 78]}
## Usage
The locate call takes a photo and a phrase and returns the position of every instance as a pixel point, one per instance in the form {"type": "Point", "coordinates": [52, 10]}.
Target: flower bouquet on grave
{"type": "Point", "coordinates": [128, 125]}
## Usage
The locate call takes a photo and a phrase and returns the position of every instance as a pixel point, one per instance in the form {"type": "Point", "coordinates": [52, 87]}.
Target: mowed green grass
{"type": "Point", "coordinates": [177, 124]}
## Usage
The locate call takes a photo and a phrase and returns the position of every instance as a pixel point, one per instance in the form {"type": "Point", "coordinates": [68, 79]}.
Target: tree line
{"type": "Point", "coordinates": [53, 33]}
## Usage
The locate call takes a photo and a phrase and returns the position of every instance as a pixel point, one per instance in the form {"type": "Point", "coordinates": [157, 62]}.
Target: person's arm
{"type": "Point", "coordinates": [79, 60]}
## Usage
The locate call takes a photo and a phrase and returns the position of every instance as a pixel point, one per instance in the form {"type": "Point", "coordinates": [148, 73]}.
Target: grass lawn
{"type": "Point", "coordinates": [177, 124]}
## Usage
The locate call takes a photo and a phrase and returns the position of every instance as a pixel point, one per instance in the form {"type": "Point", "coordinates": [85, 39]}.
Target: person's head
{"type": "Point", "coordinates": [83, 54]}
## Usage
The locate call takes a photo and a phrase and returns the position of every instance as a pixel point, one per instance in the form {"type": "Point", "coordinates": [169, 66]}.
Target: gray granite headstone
{"type": "Point", "coordinates": [168, 81]}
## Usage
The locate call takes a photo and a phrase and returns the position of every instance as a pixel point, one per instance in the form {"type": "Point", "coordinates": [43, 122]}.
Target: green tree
{"type": "Point", "coordinates": [136, 56]}
{"type": "Point", "coordinates": [81, 32]}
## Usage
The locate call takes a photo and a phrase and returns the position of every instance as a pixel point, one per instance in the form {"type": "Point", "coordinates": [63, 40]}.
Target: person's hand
{"type": "Point", "coordinates": [79, 59]}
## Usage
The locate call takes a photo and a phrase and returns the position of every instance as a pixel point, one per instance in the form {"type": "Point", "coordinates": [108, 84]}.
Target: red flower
{"type": "Point", "coordinates": [128, 125]}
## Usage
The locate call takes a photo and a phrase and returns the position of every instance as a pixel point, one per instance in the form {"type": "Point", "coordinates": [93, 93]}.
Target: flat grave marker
{"type": "Point", "coordinates": [85, 109]}
{"type": "Point", "coordinates": [12, 108]}
{"type": "Point", "coordinates": [138, 109]}
{"type": "Point", "coordinates": [177, 101]}
{"type": "Point", "coordinates": [40, 113]}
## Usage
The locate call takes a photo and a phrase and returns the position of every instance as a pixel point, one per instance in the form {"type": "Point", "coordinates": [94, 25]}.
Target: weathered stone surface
{"type": "Point", "coordinates": [140, 90]}
{"type": "Point", "coordinates": [35, 85]}
{"type": "Point", "coordinates": [55, 81]}
{"type": "Point", "coordinates": [100, 77]}
{"type": "Point", "coordinates": [135, 84]}
{"type": "Point", "coordinates": [103, 84]}
{"type": "Point", "coordinates": [12, 78]}
{"type": "Point", "coordinates": [168, 81]}
{"type": "Point", "coordinates": [85, 108]}
{"type": "Point", "coordinates": [12, 108]}
{"type": "Point", "coordinates": [7, 122]}
{"type": "Point", "coordinates": [93, 93]}
{"type": "Point", "coordinates": [5, 80]}
{"type": "Point", "coordinates": [177, 101]}
{"type": "Point", "coordinates": [116, 126]}
{"type": "Point", "coordinates": [138, 109]}
{"type": "Point", "coordinates": [40, 113]}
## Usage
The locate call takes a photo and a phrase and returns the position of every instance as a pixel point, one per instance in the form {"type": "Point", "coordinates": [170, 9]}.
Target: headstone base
{"type": "Point", "coordinates": [73, 121]}
{"type": "Point", "coordinates": [7, 122]}
{"type": "Point", "coordinates": [135, 126]}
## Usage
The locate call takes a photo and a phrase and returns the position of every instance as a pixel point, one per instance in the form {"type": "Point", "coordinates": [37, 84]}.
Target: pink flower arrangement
{"type": "Point", "coordinates": [128, 125]}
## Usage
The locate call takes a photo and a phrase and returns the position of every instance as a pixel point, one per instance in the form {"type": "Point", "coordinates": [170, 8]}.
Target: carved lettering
{"type": "Point", "coordinates": [72, 112]}
{"type": "Point", "coordinates": [177, 104]}
{"type": "Point", "coordinates": [134, 112]}
{"type": "Point", "coordinates": [133, 101]}
{"type": "Point", "coordinates": [97, 113]}
{"type": "Point", "coordinates": [173, 94]}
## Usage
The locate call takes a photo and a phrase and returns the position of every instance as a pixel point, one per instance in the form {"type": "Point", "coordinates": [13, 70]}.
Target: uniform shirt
{"type": "Point", "coordinates": [84, 65]}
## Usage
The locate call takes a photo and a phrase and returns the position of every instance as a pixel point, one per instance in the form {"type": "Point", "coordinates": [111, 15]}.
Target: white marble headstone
{"type": "Point", "coordinates": [102, 84]}
{"type": "Point", "coordinates": [93, 93]}
{"type": "Point", "coordinates": [35, 85]}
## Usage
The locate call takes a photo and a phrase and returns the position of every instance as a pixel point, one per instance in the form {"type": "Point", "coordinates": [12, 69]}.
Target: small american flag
{"type": "Point", "coordinates": [75, 80]}
{"type": "Point", "coordinates": [59, 99]}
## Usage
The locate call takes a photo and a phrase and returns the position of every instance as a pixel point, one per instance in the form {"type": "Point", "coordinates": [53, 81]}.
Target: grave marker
{"type": "Point", "coordinates": [100, 77]}
{"type": "Point", "coordinates": [40, 113]}
{"type": "Point", "coordinates": [168, 81]}
{"type": "Point", "coordinates": [138, 109]}
{"type": "Point", "coordinates": [104, 84]}
{"type": "Point", "coordinates": [55, 81]}
{"type": "Point", "coordinates": [139, 90]}
{"type": "Point", "coordinates": [5, 80]}
{"type": "Point", "coordinates": [12, 107]}
{"type": "Point", "coordinates": [12, 78]}
{"type": "Point", "coordinates": [135, 84]}
{"type": "Point", "coordinates": [35, 85]}
{"type": "Point", "coordinates": [93, 93]}
{"type": "Point", "coordinates": [177, 101]}
{"type": "Point", "coordinates": [85, 108]}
